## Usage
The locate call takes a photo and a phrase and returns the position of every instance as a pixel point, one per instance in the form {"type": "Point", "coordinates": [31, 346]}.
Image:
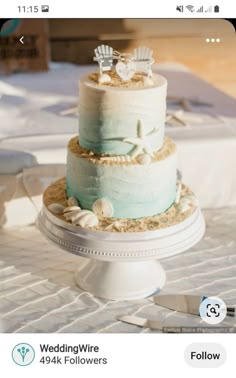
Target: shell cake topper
{"type": "Point", "coordinates": [126, 64]}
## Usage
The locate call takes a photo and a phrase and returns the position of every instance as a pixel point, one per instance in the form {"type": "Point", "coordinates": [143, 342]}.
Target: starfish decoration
{"type": "Point", "coordinates": [181, 118]}
{"type": "Point", "coordinates": [176, 118]}
{"type": "Point", "coordinates": [186, 103]}
{"type": "Point", "coordinates": [68, 111]}
{"type": "Point", "coordinates": [140, 142]}
{"type": "Point", "coordinates": [116, 225]}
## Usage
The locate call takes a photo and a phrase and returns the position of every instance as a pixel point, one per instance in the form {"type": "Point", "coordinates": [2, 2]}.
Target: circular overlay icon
{"type": "Point", "coordinates": [213, 310]}
{"type": "Point", "coordinates": [8, 26]}
{"type": "Point", "coordinates": [23, 354]}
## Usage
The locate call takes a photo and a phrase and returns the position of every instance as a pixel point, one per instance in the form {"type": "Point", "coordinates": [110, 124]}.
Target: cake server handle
{"type": "Point", "coordinates": [145, 323]}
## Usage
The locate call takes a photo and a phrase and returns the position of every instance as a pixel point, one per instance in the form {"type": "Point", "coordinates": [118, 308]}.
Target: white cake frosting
{"type": "Point", "coordinates": [122, 189]}
{"type": "Point", "coordinates": [120, 165]}
{"type": "Point", "coordinates": [109, 115]}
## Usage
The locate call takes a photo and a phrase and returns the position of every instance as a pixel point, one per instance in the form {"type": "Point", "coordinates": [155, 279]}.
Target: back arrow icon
{"type": "Point", "coordinates": [21, 40]}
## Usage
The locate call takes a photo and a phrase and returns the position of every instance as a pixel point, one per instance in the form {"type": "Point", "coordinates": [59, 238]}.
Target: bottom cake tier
{"type": "Point", "coordinates": [137, 188]}
{"type": "Point", "coordinates": [56, 202]}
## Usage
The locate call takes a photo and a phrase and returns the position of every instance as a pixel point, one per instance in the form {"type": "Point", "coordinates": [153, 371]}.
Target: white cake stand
{"type": "Point", "coordinates": [122, 265]}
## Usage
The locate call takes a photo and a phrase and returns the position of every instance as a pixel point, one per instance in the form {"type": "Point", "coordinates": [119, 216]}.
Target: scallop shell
{"type": "Point", "coordinates": [104, 78]}
{"type": "Point", "coordinates": [71, 212]}
{"type": "Point", "coordinates": [86, 218]}
{"type": "Point", "coordinates": [56, 208]}
{"type": "Point", "coordinates": [103, 208]}
{"type": "Point", "coordinates": [144, 159]}
{"type": "Point", "coordinates": [72, 201]}
{"type": "Point", "coordinates": [82, 218]}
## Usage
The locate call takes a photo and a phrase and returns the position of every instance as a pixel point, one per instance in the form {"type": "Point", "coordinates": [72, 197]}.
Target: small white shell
{"type": "Point", "coordinates": [192, 199]}
{"type": "Point", "coordinates": [82, 218]}
{"type": "Point", "coordinates": [56, 208]}
{"type": "Point", "coordinates": [183, 205]}
{"type": "Point", "coordinates": [71, 213]}
{"type": "Point", "coordinates": [147, 81]}
{"type": "Point", "coordinates": [71, 208]}
{"type": "Point", "coordinates": [178, 193]}
{"type": "Point", "coordinates": [103, 208]}
{"type": "Point", "coordinates": [117, 225]}
{"type": "Point", "coordinates": [187, 202]}
{"type": "Point", "coordinates": [72, 201]}
{"type": "Point", "coordinates": [144, 159]}
{"type": "Point", "coordinates": [86, 218]}
{"type": "Point", "coordinates": [104, 78]}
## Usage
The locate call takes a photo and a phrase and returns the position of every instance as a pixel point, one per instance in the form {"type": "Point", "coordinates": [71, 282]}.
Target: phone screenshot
{"type": "Point", "coordinates": [117, 192]}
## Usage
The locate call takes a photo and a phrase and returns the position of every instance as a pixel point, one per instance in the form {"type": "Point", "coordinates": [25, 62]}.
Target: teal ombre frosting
{"type": "Point", "coordinates": [134, 190]}
{"type": "Point", "coordinates": [108, 115]}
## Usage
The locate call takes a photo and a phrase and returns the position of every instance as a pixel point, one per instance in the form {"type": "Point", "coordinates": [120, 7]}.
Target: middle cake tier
{"type": "Point", "coordinates": [129, 188]}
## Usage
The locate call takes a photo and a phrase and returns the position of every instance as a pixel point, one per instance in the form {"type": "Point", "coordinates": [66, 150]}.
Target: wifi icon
{"type": "Point", "coordinates": [190, 8]}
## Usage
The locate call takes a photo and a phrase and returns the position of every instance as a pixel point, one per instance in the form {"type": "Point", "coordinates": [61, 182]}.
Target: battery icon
{"type": "Point", "coordinates": [45, 8]}
{"type": "Point", "coordinates": [216, 8]}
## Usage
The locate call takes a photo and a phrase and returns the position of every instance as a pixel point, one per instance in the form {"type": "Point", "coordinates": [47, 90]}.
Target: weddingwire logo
{"type": "Point", "coordinates": [23, 354]}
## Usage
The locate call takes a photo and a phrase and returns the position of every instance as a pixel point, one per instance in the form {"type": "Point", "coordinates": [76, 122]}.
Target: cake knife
{"type": "Point", "coordinates": [148, 323]}
{"type": "Point", "coordinates": [184, 303]}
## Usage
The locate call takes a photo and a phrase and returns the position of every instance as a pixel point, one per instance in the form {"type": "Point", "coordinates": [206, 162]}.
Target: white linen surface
{"type": "Point", "coordinates": [12, 162]}
{"type": "Point", "coordinates": [21, 194]}
{"type": "Point", "coordinates": [38, 291]}
{"type": "Point", "coordinates": [30, 121]}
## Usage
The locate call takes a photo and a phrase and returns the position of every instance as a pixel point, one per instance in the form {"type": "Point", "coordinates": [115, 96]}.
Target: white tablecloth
{"type": "Point", "coordinates": [38, 291]}
{"type": "Point", "coordinates": [30, 121]}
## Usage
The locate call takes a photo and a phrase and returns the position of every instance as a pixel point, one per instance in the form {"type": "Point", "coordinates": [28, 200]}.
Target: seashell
{"type": "Point", "coordinates": [104, 78]}
{"type": "Point", "coordinates": [178, 193]}
{"type": "Point", "coordinates": [71, 212]}
{"type": "Point", "coordinates": [187, 202]}
{"type": "Point", "coordinates": [147, 81]}
{"type": "Point", "coordinates": [72, 201]}
{"type": "Point", "coordinates": [117, 225]}
{"type": "Point", "coordinates": [117, 159]}
{"type": "Point", "coordinates": [183, 205]}
{"type": "Point", "coordinates": [103, 208]}
{"type": "Point", "coordinates": [86, 218]}
{"type": "Point", "coordinates": [144, 159]}
{"type": "Point", "coordinates": [83, 218]}
{"type": "Point", "coordinates": [56, 208]}
{"type": "Point", "coordinates": [192, 198]}
{"type": "Point", "coordinates": [71, 208]}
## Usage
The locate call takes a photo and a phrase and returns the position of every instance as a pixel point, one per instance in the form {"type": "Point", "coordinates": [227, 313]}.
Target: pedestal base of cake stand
{"type": "Point", "coordinates": [121, 280]}
{"type": "Point", "coordinates": [122, 265]}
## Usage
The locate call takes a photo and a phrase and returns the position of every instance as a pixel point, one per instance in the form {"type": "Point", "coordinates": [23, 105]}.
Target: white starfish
{"type": "Point", "coordinates": [176, 118]}
{"type": "Point", "coordinates": [180, 117]}
{"type": "Point", "coordinates": [141, 142]}
{"type": "Point", "coordinates": [186, 103]}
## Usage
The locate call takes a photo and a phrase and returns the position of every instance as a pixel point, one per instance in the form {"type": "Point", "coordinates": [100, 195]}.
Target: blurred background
{"type": "Point", "coordinates": [173, 40]}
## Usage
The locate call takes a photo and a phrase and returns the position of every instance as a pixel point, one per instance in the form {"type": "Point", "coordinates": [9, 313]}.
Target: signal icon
{"type": "Point", "coordinates": [180, 8]}
{"type": "Point", "coordinates": [190, 8]}
{"type": "Point", "coordinates": [200, 9]}
{"type": "Point", "coordinates": [208, 10]}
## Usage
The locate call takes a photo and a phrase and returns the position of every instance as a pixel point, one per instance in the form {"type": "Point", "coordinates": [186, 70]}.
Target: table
{"type": "Point", "coordinates": [38, 292]}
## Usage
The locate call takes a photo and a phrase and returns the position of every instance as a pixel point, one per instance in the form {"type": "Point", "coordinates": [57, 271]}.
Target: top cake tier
{"type": "Point", "coordinates": [110, 114]}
